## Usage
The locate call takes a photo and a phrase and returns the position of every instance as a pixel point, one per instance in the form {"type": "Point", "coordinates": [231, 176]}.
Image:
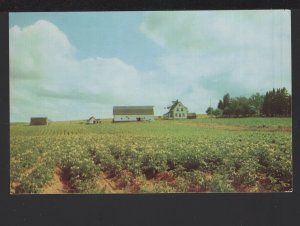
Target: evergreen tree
{"type": "Point", "coordinates": [209, 111]}
{"type": "Point", "coordinates": [275, 103]}
{"type": "Point", "coordinates": [220, 105]}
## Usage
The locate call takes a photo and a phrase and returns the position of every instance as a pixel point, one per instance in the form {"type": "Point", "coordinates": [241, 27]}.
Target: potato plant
{"type": "Point", "coordinates": [202, 155]}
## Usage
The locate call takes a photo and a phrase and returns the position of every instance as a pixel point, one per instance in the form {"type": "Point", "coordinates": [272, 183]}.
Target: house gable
{"type": "Point", "coordinates": [178, 107]}
{"type": "Point", "coordinates": [177, 110]}
{"type": "Point", "coordinates": [93, 120]}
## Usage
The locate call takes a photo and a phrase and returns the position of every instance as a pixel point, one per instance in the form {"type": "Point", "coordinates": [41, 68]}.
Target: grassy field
{"type": "Point", "coordinates": [200, 155]}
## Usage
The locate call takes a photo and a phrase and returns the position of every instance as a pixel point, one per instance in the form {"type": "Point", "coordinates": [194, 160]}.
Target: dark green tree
{"type": "Point", "coordinates": [256, 103]}
{"type": "Point", "coordinates": [220, 105]}
{"type": "Point", "coordinates": [277, 103]}
{"type": "Point", "coordinates": [217, 112]}
{"type": "Point", "coordinates": [209, 111]}
{"type": "Point", "coordinates": [226, 100]}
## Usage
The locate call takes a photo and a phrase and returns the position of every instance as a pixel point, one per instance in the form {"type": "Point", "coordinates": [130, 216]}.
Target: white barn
{"type": "Point", "coordinates": [133, 113]}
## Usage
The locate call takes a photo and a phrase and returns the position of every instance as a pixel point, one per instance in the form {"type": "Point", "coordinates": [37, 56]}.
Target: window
{"type": "Point", "coordinates": [181, 109]}
{"type": "Point", "coordinates": [176, 115]}
{"type": "Point", "coordinates": [177, 109]}
{"type": "Point", "coordinates": [179, 115]}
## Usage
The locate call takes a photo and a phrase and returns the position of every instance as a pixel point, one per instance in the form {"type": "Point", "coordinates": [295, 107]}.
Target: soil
{"type": "Point", "coordinates": [166, 176]}
{"type": "Point", "coordinates": [108, 184]}
{"type": "Point", "coordinates": [14, 186]}
{"type": "Point", "coordinates": [58, 185]}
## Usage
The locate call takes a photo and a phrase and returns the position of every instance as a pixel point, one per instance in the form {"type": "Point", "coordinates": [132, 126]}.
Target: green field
{"type": "Point", "coordinates": [200, 155]}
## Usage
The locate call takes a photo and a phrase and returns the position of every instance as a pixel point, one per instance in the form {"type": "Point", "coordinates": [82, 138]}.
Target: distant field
{"type": "Point", "coordinates": [200, 155]}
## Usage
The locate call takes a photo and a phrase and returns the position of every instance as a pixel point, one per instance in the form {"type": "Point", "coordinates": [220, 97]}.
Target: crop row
{"type": "Point", "coordinates": [220, 162]}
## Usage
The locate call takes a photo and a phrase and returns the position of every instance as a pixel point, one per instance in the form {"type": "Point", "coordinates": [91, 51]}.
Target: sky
{"type": "Point", "coordinates": [68, 66]}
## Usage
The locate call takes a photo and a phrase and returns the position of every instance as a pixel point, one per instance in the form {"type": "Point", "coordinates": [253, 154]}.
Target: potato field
{"type": "Point", "coordinates": [197, 155]}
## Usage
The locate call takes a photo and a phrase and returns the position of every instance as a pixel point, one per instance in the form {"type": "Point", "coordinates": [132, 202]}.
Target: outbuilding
{"type": "Point", "coordinates": [133, 113]}
{"type": "Point", "coordinates": [36, 121]}
{"type": "Point", "coordinates": [93, 120]}
{"type": "Point", "coordinates": [191, 115]}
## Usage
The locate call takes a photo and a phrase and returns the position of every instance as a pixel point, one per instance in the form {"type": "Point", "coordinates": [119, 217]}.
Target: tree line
{"type": "Point", "coordinates": [274, 103]}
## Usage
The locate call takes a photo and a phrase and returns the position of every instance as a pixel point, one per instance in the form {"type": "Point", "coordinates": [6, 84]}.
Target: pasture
{"type": "Point", "coordinates": [197, 155]}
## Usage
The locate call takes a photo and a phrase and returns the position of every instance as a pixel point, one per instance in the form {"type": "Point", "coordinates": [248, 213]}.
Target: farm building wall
{"type": "Point", "coordinates": [38, 121]}
{"type": "Point", "coordinates": [191, 116]}
{"type": "Point", "coordinates": [93, 120]}
{"type": "Point", "coordinates": [177, 111]}
{"type": "Point", "coordinates": [133, 118]}
{"type": "Point", "coordinates": [180, 112]}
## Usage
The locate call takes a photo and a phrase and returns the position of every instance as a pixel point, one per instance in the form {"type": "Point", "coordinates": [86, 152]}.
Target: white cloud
{"type": "Point", "coordinates": [205, 55]}
{"type": "Point", "coordinates": [217, 30]}
{"type": "Point", "coordinates": [240, 52]}
{"type": "Point", "coordinates": [46, 78]}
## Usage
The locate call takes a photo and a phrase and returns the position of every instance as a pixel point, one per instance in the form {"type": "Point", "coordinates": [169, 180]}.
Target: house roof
{"type": "Point", "coordinates": [174, 105]}
{"type": "Point", "coordinates": [91, 118]}
{"type": "Point", "coordinates": [133, 110]}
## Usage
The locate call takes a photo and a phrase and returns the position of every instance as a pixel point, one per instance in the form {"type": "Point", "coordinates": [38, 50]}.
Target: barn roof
{"type": "Point", "coordinates": [38, 118]}
{"type": "Point", "coordinates": [133, 110]}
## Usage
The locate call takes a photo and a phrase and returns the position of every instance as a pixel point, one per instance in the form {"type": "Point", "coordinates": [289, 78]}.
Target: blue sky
{"type": "Point", "coordinates": [75, 65]}
{"type": "Point", "coordinates": [105, 34]}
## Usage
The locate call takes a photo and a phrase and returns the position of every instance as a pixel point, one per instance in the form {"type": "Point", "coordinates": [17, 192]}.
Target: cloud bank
{"type": "Point", "coordinates": [240, 52]}
{"type": "Point", "coordinates": [204, 55]}
{"type": "Point", "coordinates": [46, 79]}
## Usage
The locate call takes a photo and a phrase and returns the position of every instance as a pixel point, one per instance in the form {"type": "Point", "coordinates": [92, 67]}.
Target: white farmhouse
{"type": "Point", "coordinates": [92, 120]}
{"type": "Point", "coordinates": [133, 113]}
{"type": "Point", "coordinates": [176, 111]}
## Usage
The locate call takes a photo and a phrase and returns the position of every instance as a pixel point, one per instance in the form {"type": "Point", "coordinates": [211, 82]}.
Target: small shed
{"type": "Point", "coordinates": [36, 121]}
{"type": "Point", "coordinates": [191, 116]}
{"type": "Point", "coordinates": [93, 120]}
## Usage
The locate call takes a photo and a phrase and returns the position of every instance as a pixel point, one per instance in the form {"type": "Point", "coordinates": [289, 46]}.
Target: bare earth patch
{"type": "Point", "coordinates": [58, 185]}
{"type": "Point", "coordinates": [14, 186]}
{"type": "Point", "coordinates": [108, 185]}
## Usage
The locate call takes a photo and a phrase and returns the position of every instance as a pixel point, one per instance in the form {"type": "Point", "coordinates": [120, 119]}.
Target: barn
{"type": "Point", "coordinates": [133, 113]}
{"type": "Point", "coordinates": [93, 120]}
{"type": "Point", "coordinates": [35, 121]}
